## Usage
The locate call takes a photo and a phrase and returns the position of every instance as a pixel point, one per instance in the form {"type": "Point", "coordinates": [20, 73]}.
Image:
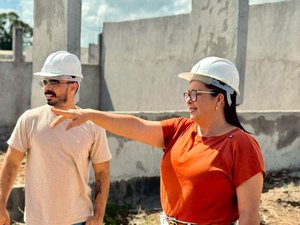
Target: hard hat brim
{"type": "Point", "coordinates": [45, 74]}
{"type": "Point", "coordinates": [200, 77]}
{"type": "Point", "coordinates": [187, 75]}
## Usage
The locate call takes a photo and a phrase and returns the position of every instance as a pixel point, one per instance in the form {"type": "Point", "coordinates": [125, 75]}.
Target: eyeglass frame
{"type": "Point", "coordinates": [193, 94]}
{"type": "Point", "coordinates": [53, 83]}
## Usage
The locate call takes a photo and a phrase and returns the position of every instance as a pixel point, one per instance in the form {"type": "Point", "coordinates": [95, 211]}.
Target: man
{"type": "Point", "coordinates": [57, 171]}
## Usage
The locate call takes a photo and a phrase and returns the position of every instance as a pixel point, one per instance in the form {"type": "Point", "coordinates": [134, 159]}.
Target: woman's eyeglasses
{"type": "Point", "coordinates": [193, 94]}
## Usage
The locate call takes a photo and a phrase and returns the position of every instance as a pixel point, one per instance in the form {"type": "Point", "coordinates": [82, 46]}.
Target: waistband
{"type": "Point", "coordinates": [167, 220]}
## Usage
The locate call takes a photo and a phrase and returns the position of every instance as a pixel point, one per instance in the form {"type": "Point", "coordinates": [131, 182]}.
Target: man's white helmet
{"type": "Point", "coordinates": [62, 65]}
{"type": "Point", "coordinates": [212, 70]}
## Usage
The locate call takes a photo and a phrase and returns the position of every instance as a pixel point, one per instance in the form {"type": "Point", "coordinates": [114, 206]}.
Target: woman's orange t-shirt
{"type": "Point", "coordinates": [199, 175]}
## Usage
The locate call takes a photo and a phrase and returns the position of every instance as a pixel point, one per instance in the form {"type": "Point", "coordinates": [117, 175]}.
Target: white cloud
{"type": "Point", "coordinates": [26, 11]}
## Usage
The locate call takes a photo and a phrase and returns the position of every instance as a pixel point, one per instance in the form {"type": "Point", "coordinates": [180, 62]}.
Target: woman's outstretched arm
{"type": "Point", "coordinates": [129, 126]}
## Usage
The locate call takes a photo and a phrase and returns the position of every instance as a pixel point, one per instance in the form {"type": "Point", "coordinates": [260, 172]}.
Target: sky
{"type": "Point", "coordinates": [95, 12]}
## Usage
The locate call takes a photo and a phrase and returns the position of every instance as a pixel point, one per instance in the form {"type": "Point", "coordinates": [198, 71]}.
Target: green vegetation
{"type": "Point", "coordinates": [116, 214]}
{"type": "Point", "coordinates": [7, 22]}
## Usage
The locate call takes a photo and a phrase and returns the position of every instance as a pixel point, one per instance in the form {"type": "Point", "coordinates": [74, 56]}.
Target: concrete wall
{"type": "Point", "coordinates": [278, 135]}
{"type": "Point", "coordinates": [15, 90]}
{"type": "Point", "coordinates": [273, 57]}
{"type": "Point", "coordinates": [90, 55]}
{"type": "Point", "coordinates": [90, 87]}
{"type": "Point", "coordinates": [147, 55]}
{"type": "Point", "coordinates": [277, 132]}
{"type": "Point", "coordinates": [140, 63]}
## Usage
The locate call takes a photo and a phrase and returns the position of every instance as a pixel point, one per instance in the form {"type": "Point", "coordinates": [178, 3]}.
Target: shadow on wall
{"type": "Point", "coordinates": [142, 192]}
{"type": "Point", "coordinates": [5, 132]}
{"type": "Point", "coordinates": [136, 192]}
{"type": "Point", "coordinates": [287, 127]}
{"type": "Point", "coordinates": [105, 100]}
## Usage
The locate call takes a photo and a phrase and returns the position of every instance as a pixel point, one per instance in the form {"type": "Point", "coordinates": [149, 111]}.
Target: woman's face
{"type": "Point", "coordinates": [205, 104]}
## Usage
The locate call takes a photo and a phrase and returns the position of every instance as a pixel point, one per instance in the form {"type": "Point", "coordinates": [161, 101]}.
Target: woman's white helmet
{"type": "Point", "coordinates": [212, 70]}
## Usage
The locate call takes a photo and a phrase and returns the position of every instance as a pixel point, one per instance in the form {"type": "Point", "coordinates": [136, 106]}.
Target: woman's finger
{"type": "Point", "coordinates": [57, 121]}
{"type": "Point", "coordinates": [76, 122]}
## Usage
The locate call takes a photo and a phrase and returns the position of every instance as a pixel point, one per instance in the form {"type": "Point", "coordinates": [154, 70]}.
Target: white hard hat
{"type": "Point", "coordinates": [212, 70]}
{"type": "Point", "coordinates": [62, 65]}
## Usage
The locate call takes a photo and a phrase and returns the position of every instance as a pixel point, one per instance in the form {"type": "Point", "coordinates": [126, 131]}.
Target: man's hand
{"type": "Point", "coordinates": [4, 217]}
{"type": "Point", "coordinates": [93, 220]}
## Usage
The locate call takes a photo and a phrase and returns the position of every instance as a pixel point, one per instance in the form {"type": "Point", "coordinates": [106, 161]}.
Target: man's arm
{"type": "Point", "coordinates": [102, 183]}
{"type": "Point", "coordinates": [8, 174]}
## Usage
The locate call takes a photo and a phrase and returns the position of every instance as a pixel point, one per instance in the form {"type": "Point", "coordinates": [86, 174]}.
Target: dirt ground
{"type": "Point", "coordinates": [280, 201]}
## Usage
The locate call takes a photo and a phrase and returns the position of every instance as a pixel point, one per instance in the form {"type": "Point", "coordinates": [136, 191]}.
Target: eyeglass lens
{"type": "Point", "coordinates": [43, 83]}
{"type": "Point", "coordinates": [191, 95]}
{"type": "Point", "coordinates": [53, 83]}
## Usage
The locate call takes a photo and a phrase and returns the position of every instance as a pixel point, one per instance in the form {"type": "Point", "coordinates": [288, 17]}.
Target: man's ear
{"type": "Point", "coordinates": [75, 86]}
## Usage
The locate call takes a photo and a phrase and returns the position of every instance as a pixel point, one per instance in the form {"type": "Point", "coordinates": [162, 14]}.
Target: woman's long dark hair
{"type": "Point", "coordinates": [229, 111]}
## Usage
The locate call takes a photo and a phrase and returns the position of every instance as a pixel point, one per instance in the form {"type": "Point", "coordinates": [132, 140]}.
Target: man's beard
{"type": "Point", "coordinates": [53, 100]}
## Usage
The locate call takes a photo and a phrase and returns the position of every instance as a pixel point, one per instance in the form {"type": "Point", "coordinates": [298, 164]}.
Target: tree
{"type": "Point", "coordinates": [7, 22]}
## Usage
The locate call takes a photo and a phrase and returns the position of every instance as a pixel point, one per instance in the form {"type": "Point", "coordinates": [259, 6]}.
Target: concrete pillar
{"type": "Point", "coordinates": [241, 51]}
{"type": "Point", "coordinates": [100, 38]}
{"type": "Point", "coordinates": [93, 54]}
{"type": "Point", "coordinates": [219, 28]}
{"type": "Point", "coordinates": [101, 65]}
{"type": "Point", "coordinates": [18, 44]}
{"type": "Point", "coordinates": [56, 27]}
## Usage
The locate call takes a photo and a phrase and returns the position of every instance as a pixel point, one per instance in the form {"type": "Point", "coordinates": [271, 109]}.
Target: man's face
{"type": "Point", "coordinates": [56, 91]}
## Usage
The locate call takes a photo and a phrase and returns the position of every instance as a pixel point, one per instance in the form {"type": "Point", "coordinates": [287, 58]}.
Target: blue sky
{"type": "Point", "coordinates": [95, 12]}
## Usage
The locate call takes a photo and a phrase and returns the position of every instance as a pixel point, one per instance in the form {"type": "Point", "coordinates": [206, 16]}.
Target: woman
{"type": "Point", "coordinates": [212, 169]}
